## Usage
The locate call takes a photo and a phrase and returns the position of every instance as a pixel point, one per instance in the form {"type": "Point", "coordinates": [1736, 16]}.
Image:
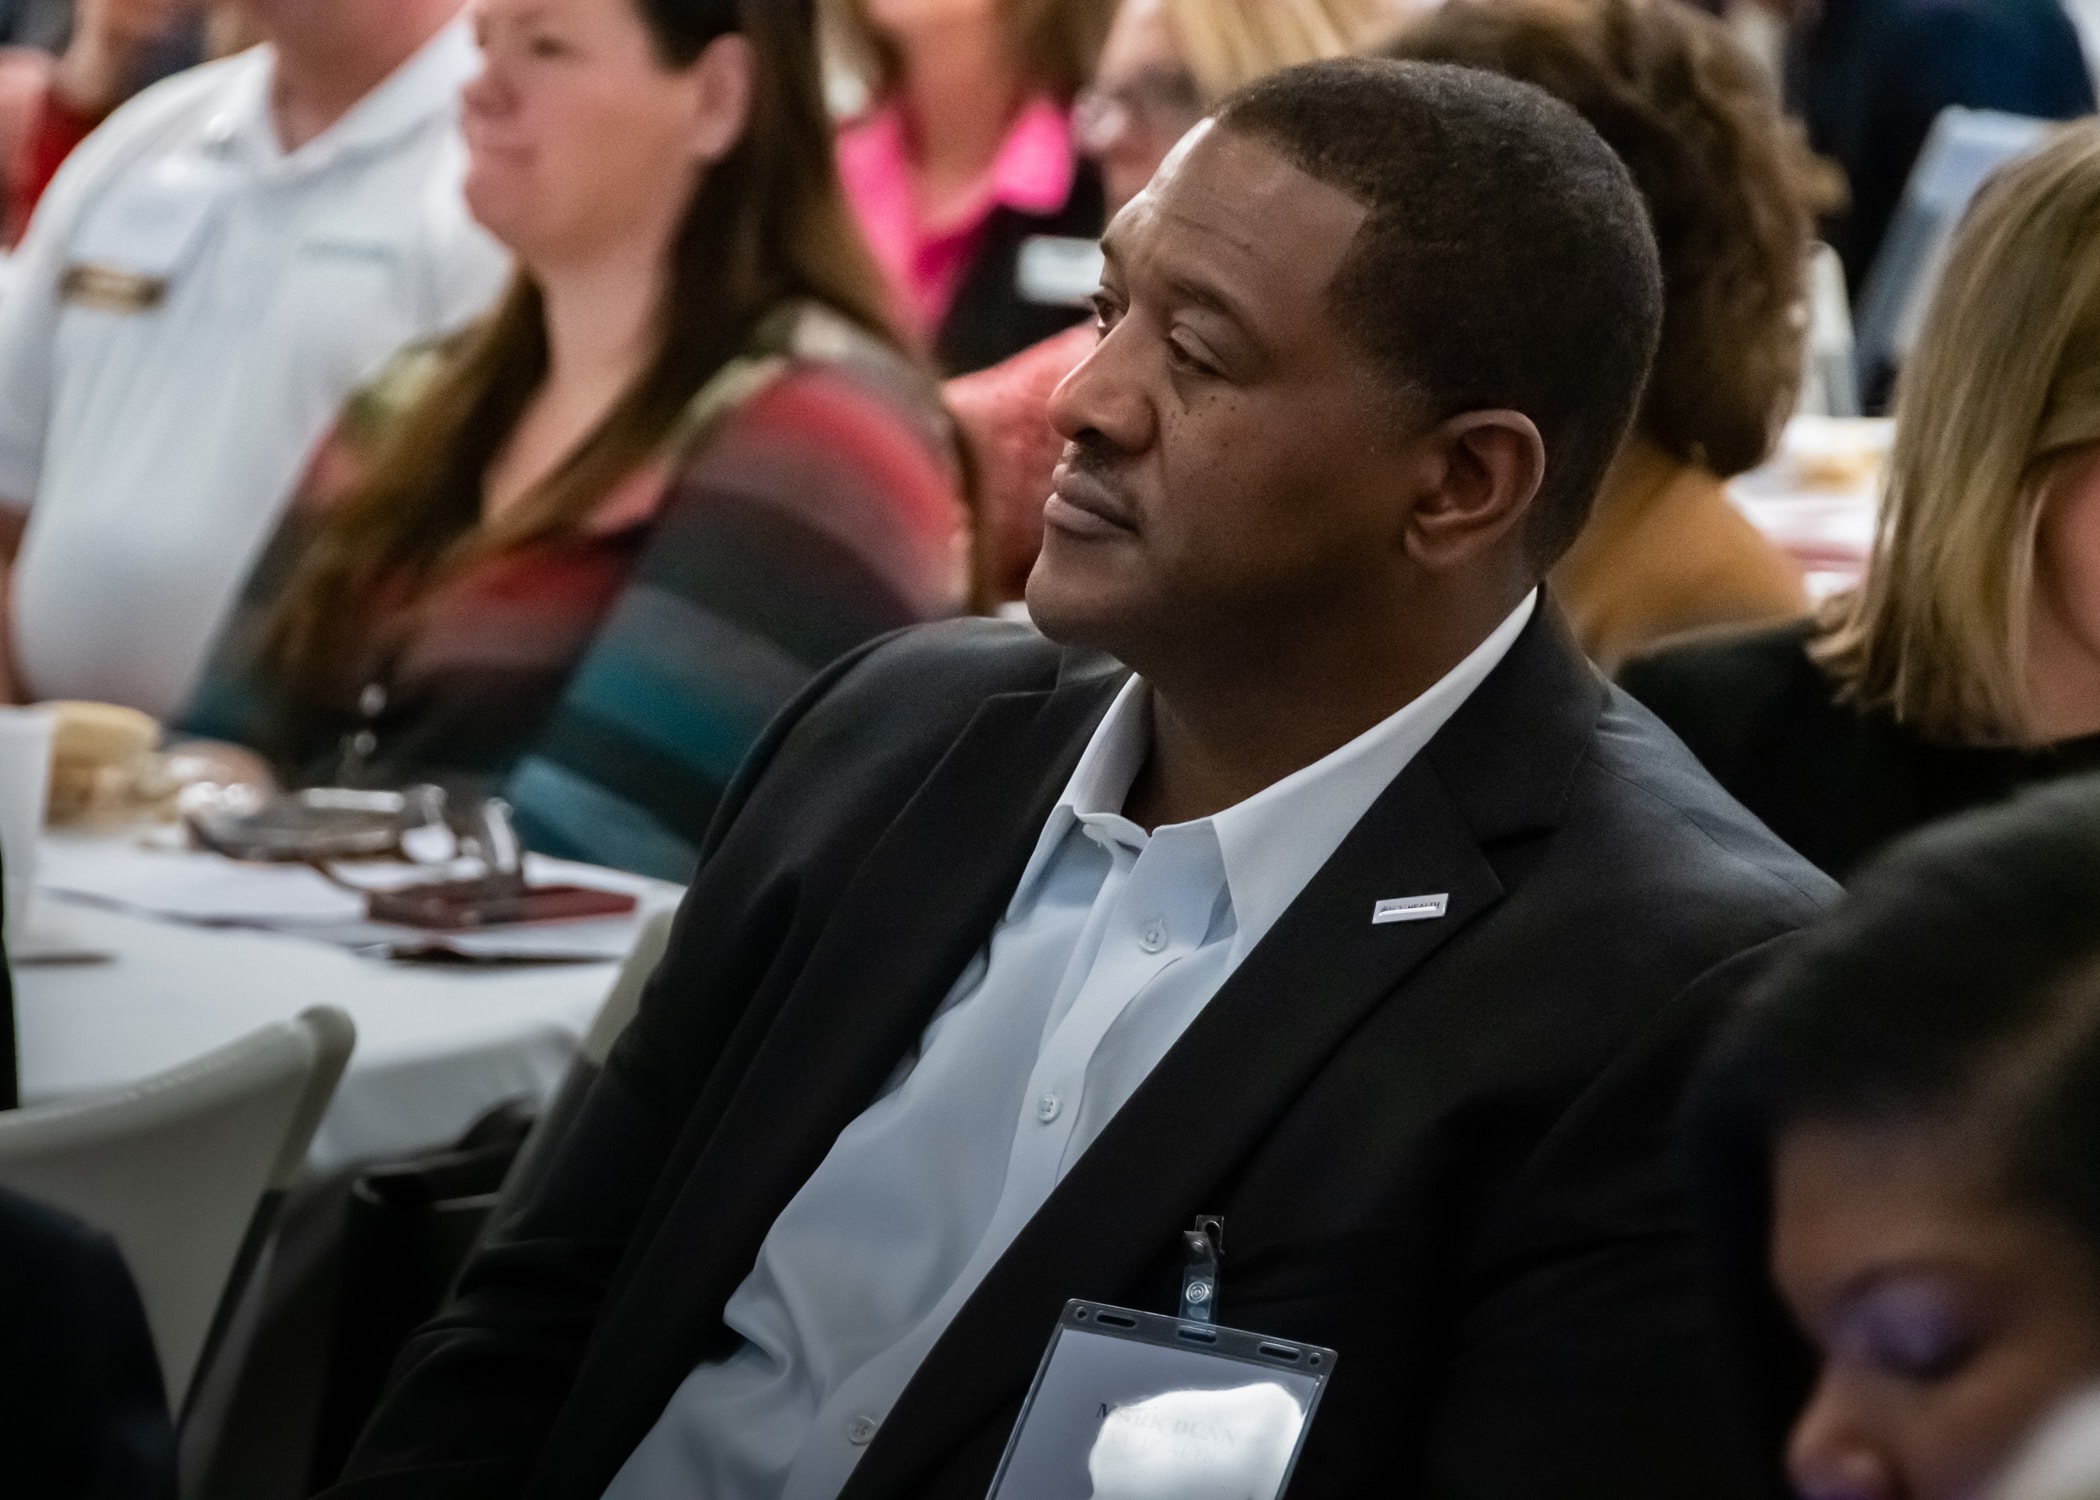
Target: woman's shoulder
{"type": "Point", "coordinates": [823, 431]}
{"type": "Point", "coordinates": [826, 369]}
{"type": "Point", "coordinates": [821, 339]}
{"type": "Point", "coordinates": [1722, 690]}
{"type": "Point", "coordinates": [376, 408]}
{"type": "Point", "coordinates": [368, 420]}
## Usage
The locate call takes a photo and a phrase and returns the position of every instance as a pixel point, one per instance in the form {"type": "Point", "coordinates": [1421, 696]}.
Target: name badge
{"type": "Point", "coordinates": [1055, 271]}
{"type": "Point", "coordinates": [1411, 909]}
{"type": "Point", "coordinates": [132, 245]}
{"type": "Point", "coordinates": [1133, 1406]}
{"type": "Point", "coordinates": [107, 289]}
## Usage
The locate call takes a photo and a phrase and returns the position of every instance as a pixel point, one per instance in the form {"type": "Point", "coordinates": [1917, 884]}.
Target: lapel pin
{"type": "Point", "coordinates": [1410, 909]}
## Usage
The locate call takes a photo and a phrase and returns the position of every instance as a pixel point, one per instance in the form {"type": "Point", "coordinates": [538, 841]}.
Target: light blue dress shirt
{"type": "Point", "coordinates": [1113, 943]}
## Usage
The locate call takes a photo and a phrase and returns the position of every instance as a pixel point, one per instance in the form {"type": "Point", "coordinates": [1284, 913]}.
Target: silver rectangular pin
{"type": "Point", "coordinates": [1410, 909]}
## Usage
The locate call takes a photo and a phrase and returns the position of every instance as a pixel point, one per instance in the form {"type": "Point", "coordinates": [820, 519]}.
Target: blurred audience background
{"type": "Point", "coordinates": [1967, 664]}
{"type": "Point", "coordinates": [209, 277]}
{"type": "Point", "coordinates": [962, 155]}
{"type": "Point", "coordinates": [582, 552]}
{"type": "Point", "coordinates": [1870, 76]}
{"type": "Point", "coordinates": [1733, 192]}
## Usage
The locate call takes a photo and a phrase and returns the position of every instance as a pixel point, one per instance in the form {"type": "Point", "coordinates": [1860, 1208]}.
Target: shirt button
{"type": "Point", "coordinates": [364, 742]}
{"type": "Point", "coordinates": [1048, 1108]}
{"type": "Point", "coordinates": [861, 1431]}
{"type": "Point", "coordinates": [1153, 936]}
{"type": "Point", "coordinates": [372, 701]}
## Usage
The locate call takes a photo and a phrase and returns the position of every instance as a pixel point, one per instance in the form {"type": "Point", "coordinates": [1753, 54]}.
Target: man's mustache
{"type": "Point", "coordinates": [1092, 459]}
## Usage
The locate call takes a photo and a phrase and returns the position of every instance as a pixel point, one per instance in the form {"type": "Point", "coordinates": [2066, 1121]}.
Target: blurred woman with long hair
{"type": "Point", "coordinates": [583, 551]}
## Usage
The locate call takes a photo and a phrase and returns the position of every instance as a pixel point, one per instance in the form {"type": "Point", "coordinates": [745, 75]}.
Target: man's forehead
{"type": "Point", "coordinates": [1242, 204]}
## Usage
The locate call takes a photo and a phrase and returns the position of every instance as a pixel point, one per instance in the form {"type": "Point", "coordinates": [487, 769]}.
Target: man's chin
{"type": "Point", "coordinates": [1073, 611]}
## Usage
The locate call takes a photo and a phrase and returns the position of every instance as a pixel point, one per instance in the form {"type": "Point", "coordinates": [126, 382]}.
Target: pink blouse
{"type": "Point", "coordinates": [1032, 173]}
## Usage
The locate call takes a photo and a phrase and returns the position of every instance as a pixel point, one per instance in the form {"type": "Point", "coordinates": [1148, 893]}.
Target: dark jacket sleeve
{"type": "Point", "coordinates": [82, 1412]}
{"type": "Point", "coordinates": [476, 1391]}
{"type": "Point", "coordinates": [1587, 1367]}
{"type": "Point", "coordinates": [10, 1066]}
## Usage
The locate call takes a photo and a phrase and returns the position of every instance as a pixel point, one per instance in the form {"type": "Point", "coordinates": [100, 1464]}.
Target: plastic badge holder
{"type": "Point", "coordinates": [1134, 1406]}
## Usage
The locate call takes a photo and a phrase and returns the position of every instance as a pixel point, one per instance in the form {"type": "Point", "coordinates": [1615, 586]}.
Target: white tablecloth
{"type": "Point", "coordinates": [1818, 495]}
{"type": "Point", "coordinates": [435, 1046]}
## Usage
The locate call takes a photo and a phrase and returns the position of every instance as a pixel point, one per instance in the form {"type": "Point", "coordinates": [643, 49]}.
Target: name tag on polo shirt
{"type": "Point", "coordinates": [1132, 1406]}
{"type": "Point", "coordinates": [1057, 271]}
{"type": "Point", "coordinates": [350, 250]}
{"type": "Point", "coordinates": [133, 244]}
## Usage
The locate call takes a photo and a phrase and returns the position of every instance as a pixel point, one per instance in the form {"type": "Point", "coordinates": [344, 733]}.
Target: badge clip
{"type": "Point", "coordinates": [1205, 1246]}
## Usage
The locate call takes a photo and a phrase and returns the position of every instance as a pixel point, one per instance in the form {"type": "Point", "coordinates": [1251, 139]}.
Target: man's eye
{"type": "Point", "coordinates": [1105, 311]}
{"type": "Point", "coordinates": [1181, 357]}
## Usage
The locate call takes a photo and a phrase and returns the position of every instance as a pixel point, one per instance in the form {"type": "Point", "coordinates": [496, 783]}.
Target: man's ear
{"type": "Point", "coordinates": [1487, 469]}
{"type": "Point", "coordinates": [722, 77]}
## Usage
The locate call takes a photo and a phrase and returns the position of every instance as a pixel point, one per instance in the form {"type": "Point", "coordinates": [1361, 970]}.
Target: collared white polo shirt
{"type": "Point", "coordinates": [189, 310]}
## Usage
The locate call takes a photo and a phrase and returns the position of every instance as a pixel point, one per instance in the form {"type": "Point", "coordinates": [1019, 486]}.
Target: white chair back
{"type": "Point", "coordinates": [1829, 377]}
{"type": "Point", "coordinates": [1963, 149]}
{"type": "Point", "coordinates": [178, 1168]}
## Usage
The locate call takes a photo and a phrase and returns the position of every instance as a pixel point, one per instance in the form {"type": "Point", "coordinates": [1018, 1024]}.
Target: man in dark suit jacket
{"type": "Point", "coordinates": [1369, 342]}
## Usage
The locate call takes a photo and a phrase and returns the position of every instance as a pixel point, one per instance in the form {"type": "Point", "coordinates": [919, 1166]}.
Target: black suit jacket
{"type": "Point", "coordinates": [82, 1414]}
{"type": "Point", "coordinates": [1837, 782]}
{"type": "Point", "coordinates": [1440, 1147]}
{"type": "Point", "coordinates": [10, 1062]}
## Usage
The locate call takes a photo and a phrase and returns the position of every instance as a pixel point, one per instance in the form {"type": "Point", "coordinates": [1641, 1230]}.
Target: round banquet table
{"type": "Point", "coordinates": [436, 1045]}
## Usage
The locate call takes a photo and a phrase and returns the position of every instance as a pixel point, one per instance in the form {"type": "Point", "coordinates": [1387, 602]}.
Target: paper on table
{"type": "Point", "coordinates": [49, 940]}
{"type": "Point", "coordinates": [192, 886]}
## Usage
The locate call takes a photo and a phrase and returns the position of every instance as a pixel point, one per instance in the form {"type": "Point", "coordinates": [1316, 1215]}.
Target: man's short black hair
{"type": "Point", "coordinates": [1507, 259]}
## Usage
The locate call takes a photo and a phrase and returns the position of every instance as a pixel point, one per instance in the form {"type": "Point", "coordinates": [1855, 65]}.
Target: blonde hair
{"type": "Point", "coordinates": [1054, 43]}
{"type": "Point", "coordinates": [2004, 384]}
{"type": "Point", "coordinates": [1230, 43]}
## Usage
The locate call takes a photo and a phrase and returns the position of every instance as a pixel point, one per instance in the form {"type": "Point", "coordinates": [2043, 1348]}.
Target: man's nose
{"type": "Point", "coordinates": [488, 90]}
{"type": "Point", "coordinates": [1831, 1454]}
{"type": "Point", "coordinates": [1106, 396]}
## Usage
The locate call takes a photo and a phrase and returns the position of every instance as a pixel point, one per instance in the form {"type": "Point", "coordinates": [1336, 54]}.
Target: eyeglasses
{"type": "Point", "coordinates": [1158, 102]}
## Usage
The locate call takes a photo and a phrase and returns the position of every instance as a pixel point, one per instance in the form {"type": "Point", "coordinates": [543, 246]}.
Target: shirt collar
{"type": "Point", "coordinates": [1035, 166]}
{"type": "Point", "coordinates": [1033, 171]}
{"type": "Point", "coordinates": [1101, 781]}
{"type": "Point", "coordinates": [424, 88]}
{"type": "Point", "coordinates": [1276, 841]}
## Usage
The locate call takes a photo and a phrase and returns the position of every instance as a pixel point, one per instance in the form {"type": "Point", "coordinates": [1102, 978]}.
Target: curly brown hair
{"type": "Point", "coordinates": [1732, 189]}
